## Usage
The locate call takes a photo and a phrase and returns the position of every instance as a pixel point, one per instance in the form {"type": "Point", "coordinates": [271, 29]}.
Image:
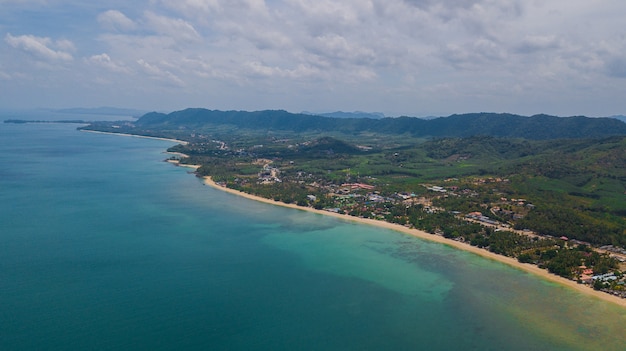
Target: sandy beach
{"type": "Point", "coordinates": [136, 136]}
{"type": "Point", "coordinates": [177, 163]}
{"type": "Point", "coordinates": [439, 239]}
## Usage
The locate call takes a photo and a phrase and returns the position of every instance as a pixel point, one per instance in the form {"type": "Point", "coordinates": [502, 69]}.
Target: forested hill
{"type": "Point", "coordinates": [464, 125]}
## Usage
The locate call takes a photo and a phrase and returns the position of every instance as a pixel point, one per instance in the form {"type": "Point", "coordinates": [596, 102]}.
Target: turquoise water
{"type": "Point", "coordinates": [103, 246]}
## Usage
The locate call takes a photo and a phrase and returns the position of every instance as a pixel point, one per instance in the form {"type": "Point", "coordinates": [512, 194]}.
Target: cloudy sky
{"type": "Point", "coordinates": [399, 57]}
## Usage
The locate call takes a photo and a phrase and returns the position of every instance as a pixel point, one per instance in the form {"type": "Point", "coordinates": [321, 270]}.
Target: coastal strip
{"type": "Point", "coordinates": [136, 136]}
{"type": "Point", "coordinates": [526, 267]}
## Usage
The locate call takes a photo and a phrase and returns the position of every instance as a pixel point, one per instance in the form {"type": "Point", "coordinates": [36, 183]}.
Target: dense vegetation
{"type": "Point", "coordinates": [577, 185]}
{"type": "Point", "coordinates": [466, 125]}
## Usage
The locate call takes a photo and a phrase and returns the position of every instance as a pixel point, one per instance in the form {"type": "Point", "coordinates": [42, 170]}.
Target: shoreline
{"type": "Point", "coordinates": [136, 136]}
{"type": "Point", "coordinates": [178, 164]}
{"type": "Point", "coordinates": [509, 261]}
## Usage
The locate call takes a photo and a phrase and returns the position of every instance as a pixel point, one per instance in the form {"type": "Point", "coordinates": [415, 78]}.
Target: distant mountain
{"type": "Point", "coordinates": [465, 125]}
{"type": "Point", "coordinates": [110, 111]}
{"type": "Point", "coordinates": [620, 117]}
{"type": "Point", "coordinates": [341, 114]}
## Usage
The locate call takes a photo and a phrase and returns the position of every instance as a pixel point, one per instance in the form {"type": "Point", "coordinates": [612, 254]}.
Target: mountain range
{"type": "Point", "coordinates": [538, 127]}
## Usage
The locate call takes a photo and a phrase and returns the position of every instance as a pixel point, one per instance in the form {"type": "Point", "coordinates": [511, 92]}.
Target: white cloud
{"type": "Point", "coordinates": [386, 52]}
{"type": "Point", "coordinates": [200, 67]}
{"type": "Point", "coordinates": [535, 43]}
{"type": "Point", "coordinates": [105, 61]}
{"type": "Point", "coordinates": [176, 28]}
{"type": "Point", "coordinates": [353, 41]}
{"type": "Point", "coordinates": [207, 9]}
{"type": "Point", "coordinates": [258, 69]}
{"type": "Point", "coordinates": [41, 47]}
{"type": "Point", "coordinates": [193, 8]}
{"type": "Point", "coordinates": [115, 20]}
{"type": "Point", "coordinates": [160, 74]}
{"type": "Point", "coordinates": [65, 45]}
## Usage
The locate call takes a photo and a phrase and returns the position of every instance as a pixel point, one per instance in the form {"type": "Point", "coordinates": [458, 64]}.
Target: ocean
{"type": "Point", "coordinates": [103, 246]}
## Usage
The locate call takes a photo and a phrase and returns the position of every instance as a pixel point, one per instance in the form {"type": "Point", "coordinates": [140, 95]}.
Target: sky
{"type": "Point", "coordinates": [398, 57]}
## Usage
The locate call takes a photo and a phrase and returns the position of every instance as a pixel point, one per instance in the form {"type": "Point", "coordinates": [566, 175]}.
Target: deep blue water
{"type": "Point", "coordinates": [105, 247]}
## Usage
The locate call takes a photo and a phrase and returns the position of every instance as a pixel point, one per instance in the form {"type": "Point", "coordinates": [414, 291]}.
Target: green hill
{"type": "Point", "coordinates": [538, 127]}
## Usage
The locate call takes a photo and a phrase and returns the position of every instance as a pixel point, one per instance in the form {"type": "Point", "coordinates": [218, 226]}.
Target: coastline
{"type": "Point", "coordinates": [526, 267]}
{"type": "Point", "coordinates": [511, 262]}
{"type": "Point", "coordinates": [136, 136]}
